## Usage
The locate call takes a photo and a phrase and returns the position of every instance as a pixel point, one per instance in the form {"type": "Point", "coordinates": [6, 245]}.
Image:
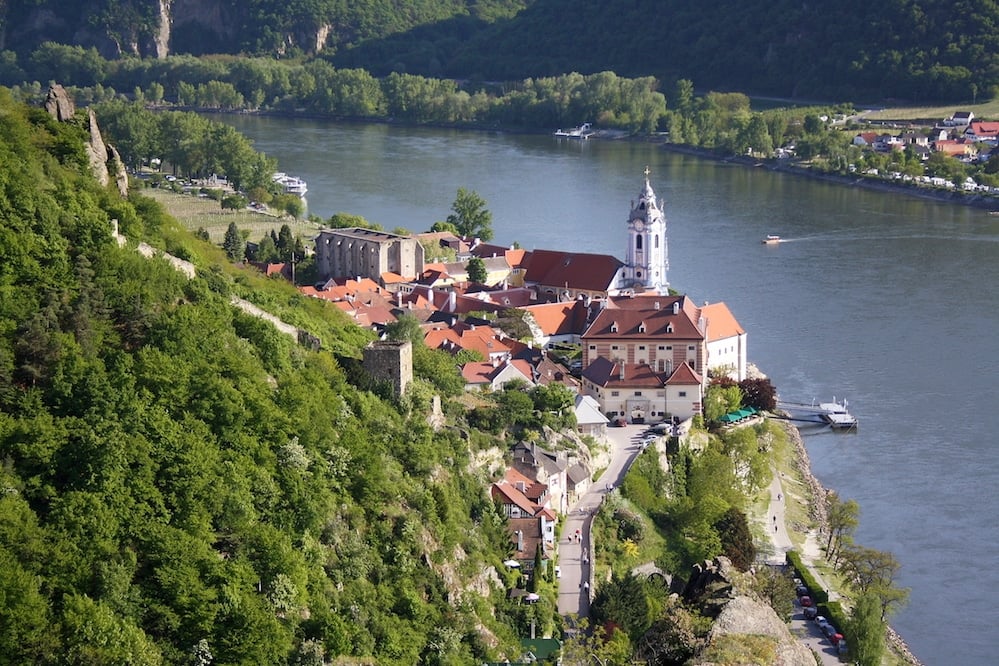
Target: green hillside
{"type": "Point", "coordinates": [912, 50]}
{"type": "Point", "coordinates": [182, 484]}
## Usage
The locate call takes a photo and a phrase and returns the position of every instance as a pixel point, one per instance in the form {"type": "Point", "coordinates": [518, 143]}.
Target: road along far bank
{"type": "Point", "coordinates": [801, 487]}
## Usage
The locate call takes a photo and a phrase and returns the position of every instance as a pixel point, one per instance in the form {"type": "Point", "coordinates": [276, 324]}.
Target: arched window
{"type": "Point", "coordinates": [638, 242]}
{"type": "Point", "coordinates": [656, 237]}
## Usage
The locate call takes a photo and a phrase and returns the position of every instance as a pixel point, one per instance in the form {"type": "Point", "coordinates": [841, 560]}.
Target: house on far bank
{"type": "Point", "coordinates": [959, 119]}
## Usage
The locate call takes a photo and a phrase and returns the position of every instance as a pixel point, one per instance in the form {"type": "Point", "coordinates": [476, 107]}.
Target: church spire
{"type": "Point", "coordinates": [646, 259]}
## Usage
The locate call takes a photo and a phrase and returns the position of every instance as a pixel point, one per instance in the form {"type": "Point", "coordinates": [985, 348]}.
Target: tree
{"type": "Point", "coordinates": [866, 631]}
{"type": "Point", "coordinates": [736, 539]}
{"type": "Point", "coordinates": [476, 268]}
{"type": "Point", "coordinates": [777, 588]}
{"type": "Point", "coordinates": [843, 518]}
{"type": "Point", "coordinates": [758, 393]}
{"type": "Point", "coordinates": [873, 572]}
{"type": "Point", "coordinates": [234, 202]}
{"type": "Point", "coordinates": [233, 243]}
{"type": "Point", "coordinates": [470, 216]}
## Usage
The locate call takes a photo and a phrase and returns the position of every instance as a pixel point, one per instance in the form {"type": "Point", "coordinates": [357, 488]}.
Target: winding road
{"type": "Point", "coordinates": [576, 545]}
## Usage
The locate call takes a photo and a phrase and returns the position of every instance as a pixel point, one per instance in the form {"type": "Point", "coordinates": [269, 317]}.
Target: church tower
{"type": "Point", "coordinates": [647, 259]}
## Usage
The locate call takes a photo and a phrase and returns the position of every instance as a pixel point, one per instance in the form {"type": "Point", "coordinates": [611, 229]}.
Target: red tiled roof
{"type": "Point", "coordinates": [558, 318]}
{"type": "Point", "coordinates": [684, 375]}
{"type": "Point", "coordinates": [660, 324]}
{"type": "Point", "coordinates": [606, 373]}
{"type": "Point", "coordinates": [719, 322]}
{"type": "Point", "coordinates": [575, 270]}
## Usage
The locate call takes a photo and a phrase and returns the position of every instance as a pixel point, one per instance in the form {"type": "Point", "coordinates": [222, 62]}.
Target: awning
{"type": "Point", "coordinates": [513, 564]}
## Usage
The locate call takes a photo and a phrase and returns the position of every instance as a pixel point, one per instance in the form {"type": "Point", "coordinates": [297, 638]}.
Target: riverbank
{"type": "Point", "coordinates": [959, 197]}
{"type": "Point", "coordinates": [813, 495]}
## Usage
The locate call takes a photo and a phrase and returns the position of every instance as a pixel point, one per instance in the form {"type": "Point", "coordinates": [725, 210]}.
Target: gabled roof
{"type": "Point", "coordinates": [559, 318]}
{"type": "Point", "coordinates": [719, 322]}
{"type": "Point", "coordinates": [573, 270]}
{"type": "Point", "coordinates": [508, 493]}
{"type": "Point", "coordinates": [485, 372]}
{"type": "Point", "coordinates": [606, 373]}
{"type": "Point", "coordinates": [588, 411]}
{"type": "Point", "coordinates": [684, 375]}
{"type": "Point", "coordinates": [661, 324]}
{"type": "Point", "coordinates": [548, 371]}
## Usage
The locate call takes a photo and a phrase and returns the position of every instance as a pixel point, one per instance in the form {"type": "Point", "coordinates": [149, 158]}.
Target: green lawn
{"type": "Point", "coordinates": [986, 110]}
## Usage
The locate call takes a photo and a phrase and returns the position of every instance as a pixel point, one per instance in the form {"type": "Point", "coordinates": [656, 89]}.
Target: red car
{"type": "Point", "coordinates": [805, 601]}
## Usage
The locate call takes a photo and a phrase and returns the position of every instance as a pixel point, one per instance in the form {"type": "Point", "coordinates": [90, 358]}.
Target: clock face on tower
{"type": "Point", "coordinates": [639, 225]}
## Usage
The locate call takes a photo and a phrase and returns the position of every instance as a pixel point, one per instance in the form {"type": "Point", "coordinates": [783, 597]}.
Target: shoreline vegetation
{"type": "Point", "coordinates": [814, 498]}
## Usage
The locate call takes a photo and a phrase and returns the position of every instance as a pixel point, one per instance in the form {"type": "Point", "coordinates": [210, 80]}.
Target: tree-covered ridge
{"type": "Point", "coordinates": [272, 27]}
{"type": "Point", "coordinates": [180, 482]}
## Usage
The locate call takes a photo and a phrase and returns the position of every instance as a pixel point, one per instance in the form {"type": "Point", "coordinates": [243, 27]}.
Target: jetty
{"type": "Point", "coordinates": [833, 414]}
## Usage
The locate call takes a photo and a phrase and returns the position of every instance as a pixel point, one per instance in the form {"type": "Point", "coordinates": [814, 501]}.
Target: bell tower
{"type": "Point", "coordinates": [647, 259]}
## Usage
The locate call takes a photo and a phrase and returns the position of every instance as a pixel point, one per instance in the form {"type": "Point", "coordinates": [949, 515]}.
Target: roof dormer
{"type": "Point", "coordinates": [613, 327]}
{"type": "Point", "coordinates": [641, 327]}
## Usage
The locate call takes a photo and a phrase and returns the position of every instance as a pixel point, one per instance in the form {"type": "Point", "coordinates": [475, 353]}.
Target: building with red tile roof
{"type": "Point", "coordinates": [566, 276]}
{"type": "Point", "coordinates": [725, 340]}
{"type": "Point", "coordinates": [494, 375]}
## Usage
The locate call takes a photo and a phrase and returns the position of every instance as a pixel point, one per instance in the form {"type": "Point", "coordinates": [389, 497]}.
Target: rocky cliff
{"type": "Point", "coordinates": [157, 28]}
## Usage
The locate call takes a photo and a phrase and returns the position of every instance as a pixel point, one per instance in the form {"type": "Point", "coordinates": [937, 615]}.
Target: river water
{"type": "Point", "coordinates": [888, 301]}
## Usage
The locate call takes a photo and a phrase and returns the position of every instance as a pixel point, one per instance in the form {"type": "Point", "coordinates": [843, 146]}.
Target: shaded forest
{"type": "Point", "coordinates": [912, 50]}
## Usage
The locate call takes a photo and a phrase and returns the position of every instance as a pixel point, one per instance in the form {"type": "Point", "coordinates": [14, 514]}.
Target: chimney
{"type": "Point", "coordinates": [657, 305]}
{"type": "Point", "coordinates": [520, 540]}
{"type": "Point", "coordinates": [452, 301]}
{"type": "Point", "coordinates": [676, 307]}
{"type": "Point", "coordinates": [621, 371]}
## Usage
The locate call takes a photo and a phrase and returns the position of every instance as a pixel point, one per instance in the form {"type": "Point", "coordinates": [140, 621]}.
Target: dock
{"type": "Point", "coordinates": [833, 414]}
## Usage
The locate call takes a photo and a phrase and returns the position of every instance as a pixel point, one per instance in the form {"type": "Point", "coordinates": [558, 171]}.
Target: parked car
{"type": "Point", "coordinates": [558, 572]}
{"type": "Point", "coordinates": [811, 612]}
{"type": "Point", "coordinates": [619, 422]}
{"type": "Point", "coordinates": [829, 631]}
{"type": "Point", "coordinates": [801, 590]}
{"type": "Point", "coordinates": [805, 601]}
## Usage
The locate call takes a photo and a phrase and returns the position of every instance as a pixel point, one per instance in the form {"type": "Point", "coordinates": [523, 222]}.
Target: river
{"type": "Point", "coordinates": [888, 301]}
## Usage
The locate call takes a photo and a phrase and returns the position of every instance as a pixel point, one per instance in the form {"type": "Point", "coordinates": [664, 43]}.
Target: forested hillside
{"type": "Point", "coordinates": [182, 484]}
{"type": "Point", "coordinates": [913, 50]}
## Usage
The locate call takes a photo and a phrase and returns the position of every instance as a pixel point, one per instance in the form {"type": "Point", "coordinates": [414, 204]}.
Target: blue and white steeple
{"type": "Point", "coordinates": [646, 260]}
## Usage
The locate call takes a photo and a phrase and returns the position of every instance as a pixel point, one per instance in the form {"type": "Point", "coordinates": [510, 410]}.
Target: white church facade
{"type": "Point", "coordinates": [647, 257]}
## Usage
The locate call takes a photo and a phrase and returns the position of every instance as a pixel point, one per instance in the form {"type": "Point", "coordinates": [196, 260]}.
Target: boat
{"type": "Point", "coordinates": [291, 184]}
{"type": "Point", "coordinates": [772, 239]}
{"type": "Point", "coordinates": [835, 415]}
{"type": "Point", "coordinates": [584, 131]}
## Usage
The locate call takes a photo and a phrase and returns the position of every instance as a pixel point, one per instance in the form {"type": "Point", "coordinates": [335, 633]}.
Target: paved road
{"type": "Point", "coordinates": [575, 549]}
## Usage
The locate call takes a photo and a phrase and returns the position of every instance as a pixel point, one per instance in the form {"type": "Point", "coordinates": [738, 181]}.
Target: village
{"type": "Point", "coordinates": [644, 352]}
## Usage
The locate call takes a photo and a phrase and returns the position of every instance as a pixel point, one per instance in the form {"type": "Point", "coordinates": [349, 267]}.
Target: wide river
{"type": "Point", "coordinates": [888, 301]}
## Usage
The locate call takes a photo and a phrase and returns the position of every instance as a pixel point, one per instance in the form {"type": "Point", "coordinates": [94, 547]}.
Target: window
{"type": "Point", "coordinates": [615, 394]}
{"type": "Point", "coordinates": [662, 348]}
{"type": "Point", "coordinates": [638, 394]}
{"type": "Point", "coordinates": [683, 394]}
{"type": "Point", "coordinates": [641, 347]}
{"type": "Point", "coordinates": [638, 242]}
{"type": "Point", "coordinates": [690, 348]}
{"type": "Point", "coordinates": [593, 347]}
{"type": "Point", "coordinates": [656, 237]}
{"type": "Point", "coordinates": [614, 347]}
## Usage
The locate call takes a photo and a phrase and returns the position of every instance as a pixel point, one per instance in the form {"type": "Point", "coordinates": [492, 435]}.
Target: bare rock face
{"type": "Point", "coordinates": [737, 616]}
{"type": "Point", "coordinates": [118, 168]}
{"type": "Point", "coordinates": [59, 105]}
{"type": "Point", "coordinates": [97, 153]}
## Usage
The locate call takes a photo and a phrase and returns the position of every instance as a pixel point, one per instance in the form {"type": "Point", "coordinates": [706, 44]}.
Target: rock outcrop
{"type": "Point", "coordinates": [59, 104]}
{"type": "Point", "coordinates": [99, 154]}
{"type": "Point", "coordinates": [739, 618]}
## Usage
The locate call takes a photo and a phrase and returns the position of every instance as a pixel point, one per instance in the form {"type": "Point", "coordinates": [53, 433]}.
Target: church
{"type": "Point", "coordinates": [646, 259]}
{"type": "Point", "coordinates": [646, 354]}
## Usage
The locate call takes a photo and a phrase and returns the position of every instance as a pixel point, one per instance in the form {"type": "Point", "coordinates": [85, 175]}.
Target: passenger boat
{"type": "Point", "coordinates": [835, 415]}
{"type": "Point", "coordinates": [291, 184]}
{"type": "Point", "coordinates": [584, 131]}
{"type": "Point", "coordinates": [772, 239]}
